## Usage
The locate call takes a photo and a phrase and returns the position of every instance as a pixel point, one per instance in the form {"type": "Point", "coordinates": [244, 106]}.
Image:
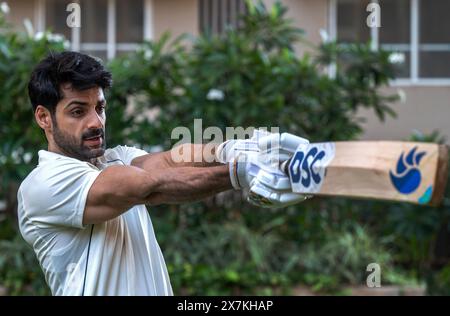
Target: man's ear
{"type": "Point", "coordinates": [43, 117]}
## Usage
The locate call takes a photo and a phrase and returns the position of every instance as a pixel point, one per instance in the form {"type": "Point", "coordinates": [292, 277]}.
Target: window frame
{"type": "Point", "coordinates": [215, 15]}
{"type": "Point", "coordinates": [413, 79]}
{"type": "Point", "coordinates": [111, 47]}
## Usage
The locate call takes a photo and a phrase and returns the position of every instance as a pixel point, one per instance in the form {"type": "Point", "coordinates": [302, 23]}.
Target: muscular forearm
{"type": "Point", "coordinates": [192, 155]}
{"type": "Point", "coordinates": [118, 188]}
{"type": "Point", "coordinates": [186, 155]}
{"type": "Point", "coordinates": [115, 190]}
{"type": "Point", "coordinates": [184, 184]}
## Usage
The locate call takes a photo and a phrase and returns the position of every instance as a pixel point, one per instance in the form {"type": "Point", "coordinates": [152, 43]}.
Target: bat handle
{"type": "Point", "coordinates": [284, 166]}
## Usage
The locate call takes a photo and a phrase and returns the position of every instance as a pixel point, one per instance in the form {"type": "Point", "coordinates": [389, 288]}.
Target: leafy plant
{"type": "Point", "coordinates": [228, 257]}
{"type": "Point", "coordinates": [20, 137]}
{"type": "Point", "coordinates": [20, 272]}
{"type": "Point", "coordinates": [439, 281]}
{"type": "Point", "coordinates": [342, 259]}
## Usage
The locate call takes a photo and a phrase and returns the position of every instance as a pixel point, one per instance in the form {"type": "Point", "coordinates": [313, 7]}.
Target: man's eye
{"type": "Point", "coordinates": [77, 112]}
{"type": "Point", "coordinates": [101, 109]}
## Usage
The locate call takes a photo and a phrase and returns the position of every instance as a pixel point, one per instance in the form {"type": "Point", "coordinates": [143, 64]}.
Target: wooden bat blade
{"type": "Point", "coordinates": [400, 171]}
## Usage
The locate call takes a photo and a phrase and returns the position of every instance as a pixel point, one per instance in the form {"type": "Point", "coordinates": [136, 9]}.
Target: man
{"type": "Point", "coordinates": [82, 209]}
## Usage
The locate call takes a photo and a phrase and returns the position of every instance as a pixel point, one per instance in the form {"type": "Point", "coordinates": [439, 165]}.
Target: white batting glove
{"type": "Point", "coordinates": [242, 170]}
{"type": "Point", "coordinates": [275, 149]}
{"type": "Point", "coordinates": [241, 156]}
{"type": "Point", "coordinates": [271, 187]}
{"type": "Point", "coordinates": [230, 149]}
{"type": "Point", "coordinates": [272, 190]}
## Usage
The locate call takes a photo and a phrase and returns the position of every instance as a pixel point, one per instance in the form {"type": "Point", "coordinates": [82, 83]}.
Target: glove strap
{"type": "Point", "coordinates": [233, 169]}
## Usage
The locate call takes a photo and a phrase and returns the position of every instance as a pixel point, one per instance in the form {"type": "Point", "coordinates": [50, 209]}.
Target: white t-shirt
{"type": "Point", "coordinates": [117, 257]}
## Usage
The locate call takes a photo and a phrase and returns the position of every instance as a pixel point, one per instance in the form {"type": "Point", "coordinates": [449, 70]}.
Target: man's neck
{"type": "Point", "coordinates": [55, 149]}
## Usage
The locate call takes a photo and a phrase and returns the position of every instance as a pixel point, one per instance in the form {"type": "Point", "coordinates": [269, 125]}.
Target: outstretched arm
{"type": "Point", "coordinates": [118, 188]}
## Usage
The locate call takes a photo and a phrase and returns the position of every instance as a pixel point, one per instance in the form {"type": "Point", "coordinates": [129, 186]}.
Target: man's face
{"type": "Point", "coordinates": [79, 123]}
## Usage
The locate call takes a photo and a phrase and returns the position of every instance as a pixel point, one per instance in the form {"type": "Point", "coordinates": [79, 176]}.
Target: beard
{"type": "Point", "coordinates": [75, 148]}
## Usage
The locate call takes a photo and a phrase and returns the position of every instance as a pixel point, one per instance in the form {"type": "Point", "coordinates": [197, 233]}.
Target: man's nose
{"type": "Point", "coordinates": [95, 120]}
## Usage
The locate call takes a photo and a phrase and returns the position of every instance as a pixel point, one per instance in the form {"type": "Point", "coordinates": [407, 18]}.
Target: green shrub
{"type": "Point", "coordinates": [439, 281]}
{"type": "Point", "coordinates": [342, 259]}
{"type": "Point", "coordinates": [21, 138]}
{"type": "Point", "coordinates": [229, 257]}
{"type": "Point", "coordinates": [20, 272]}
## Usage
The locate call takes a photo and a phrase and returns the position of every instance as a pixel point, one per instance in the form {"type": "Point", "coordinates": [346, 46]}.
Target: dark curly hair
{"type": "Point", "coordinates": [80, 70]}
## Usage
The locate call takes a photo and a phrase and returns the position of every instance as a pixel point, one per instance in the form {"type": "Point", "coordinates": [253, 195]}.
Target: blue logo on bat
{"type": "Point", "coordinates": [406, 178]}
{"type": "Point", "coordinates": [302, 168]}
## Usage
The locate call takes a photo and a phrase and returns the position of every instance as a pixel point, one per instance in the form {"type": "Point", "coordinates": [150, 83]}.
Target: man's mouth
{"type": "Point", "coordinates": [94, 141]}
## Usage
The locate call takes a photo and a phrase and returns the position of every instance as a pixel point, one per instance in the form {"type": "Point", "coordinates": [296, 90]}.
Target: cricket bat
{"type": "Point", "coordinates": [387, 170]}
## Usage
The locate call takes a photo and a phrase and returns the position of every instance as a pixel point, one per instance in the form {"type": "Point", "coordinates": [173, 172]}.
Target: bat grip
{"type": "Point", "coordinates": [284, 166]}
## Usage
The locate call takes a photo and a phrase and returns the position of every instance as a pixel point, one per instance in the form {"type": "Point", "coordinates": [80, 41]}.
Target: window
{"type": "Point", "coordinates": [395, 32]}
{"type": "Point", "coordinates": [108, 27]}
{"type": "Point", "coordinates": [55, 17]}
{"type": "Point", "coordinates": [352, 21]}
{"type": "Point", "coordinates": [415, 29]}
{"type": "Point", "coordinates": [216, 15]}
{"type": "Point", "coordinates": [93, 30]}
{"type": "Point", "coordinates": [434, 35]}
{"type": "Point", "coordinates": [130, 21]}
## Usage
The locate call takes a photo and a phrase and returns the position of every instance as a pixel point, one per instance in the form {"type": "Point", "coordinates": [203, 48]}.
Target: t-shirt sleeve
{"type": "Point", "coordinates": [127, 153]}
{"type": "Point", "coordinates": [57, 194]}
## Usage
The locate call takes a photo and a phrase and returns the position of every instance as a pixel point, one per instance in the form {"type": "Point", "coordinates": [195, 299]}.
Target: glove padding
{"type": "Point", "coordinates": [271, 186]}
{"type": "Point", "coordinates": [272, 190]}
{"type": "Point", "coordinates": [242, 158]}
{"type": "Point", "coordinates": [229, 150]}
